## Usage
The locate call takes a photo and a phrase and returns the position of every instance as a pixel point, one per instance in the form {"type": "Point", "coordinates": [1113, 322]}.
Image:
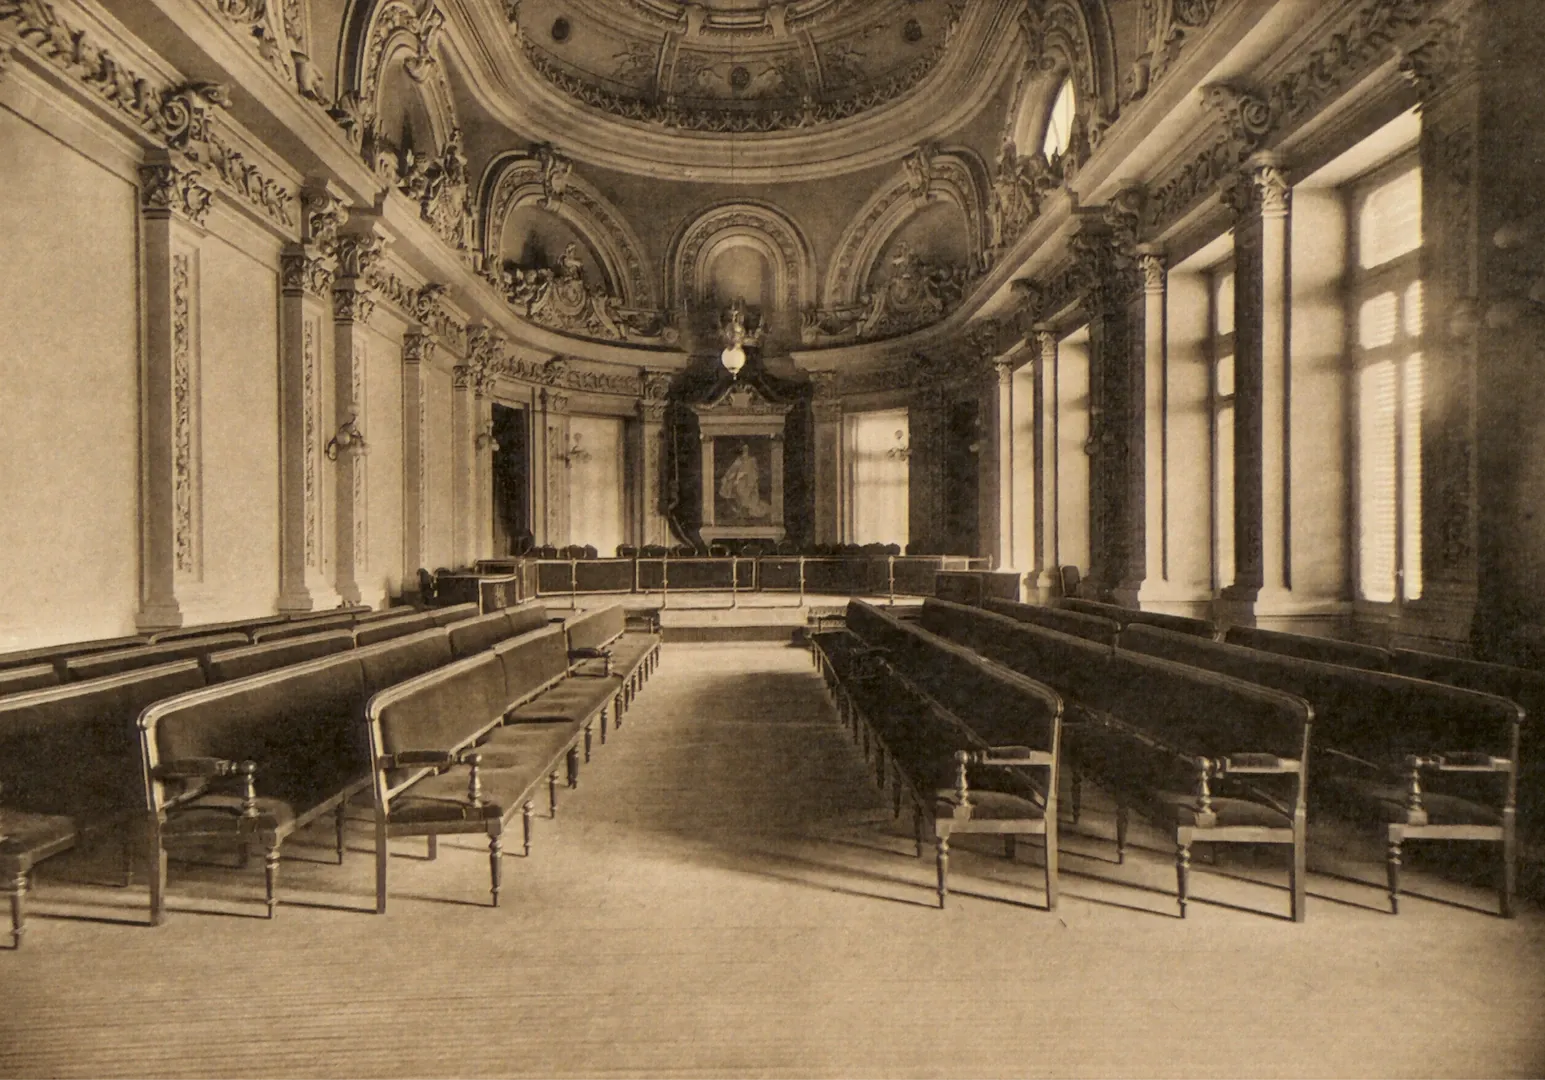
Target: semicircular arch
{"type": "Point", "coordinates": [761, 223]}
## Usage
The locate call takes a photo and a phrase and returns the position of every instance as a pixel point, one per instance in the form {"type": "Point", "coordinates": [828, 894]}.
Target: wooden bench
{"type": "Point", "coordinates": [462, 748]}
{"type": "Point", "coordinates": [70, 754]}
{"type": "Point", "coordinates": [301, 627]}
{"type": "Point", "coordinates": [972, 746]}
{"type": "Point", "coordinates": [1066, 621]}
{"type": "Point", "coordinates": [1422, 760]}
{"type": "Point", "coordinates": [251, 761]}
{"type": "Point", "coordinates": [95, 665]}
{"type": "Point", "coordinates": [444, 616]}
{"type": "Point", "coordinates": [1206, 757]}
{"type": "Point", "coordinates": [243, 626]}
{"type": "Point", "coordinates": [32, 677]}
{"type": "Point", "coordinates": [602, 635]}
{"type": "Point", "coordinates": [474, 635]}
{"type": "Point", "coordinates": [386, 629]}
{"type": "Point", "coordinates": [56, 654]}
{"type": "Point", "coordinates": [1125, 617]}
{"type": "Point", "coordinates": [228, 664]}
{"type": "Point", "coordinates": [1307, 647]}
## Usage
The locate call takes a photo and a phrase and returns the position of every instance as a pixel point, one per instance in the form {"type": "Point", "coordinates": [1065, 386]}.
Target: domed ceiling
{"type": "Point", "coordinates": [750, 91]}
{"type": "Point", "coordinates": [735, 65]}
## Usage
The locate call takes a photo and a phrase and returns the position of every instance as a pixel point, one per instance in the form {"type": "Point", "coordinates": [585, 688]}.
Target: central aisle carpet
{"type": "Point", "coordinates": [727, 895]}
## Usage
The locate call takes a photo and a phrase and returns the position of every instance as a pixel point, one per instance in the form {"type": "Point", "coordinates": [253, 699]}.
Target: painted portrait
{"type": "Point", "coordinates": [743, 473]}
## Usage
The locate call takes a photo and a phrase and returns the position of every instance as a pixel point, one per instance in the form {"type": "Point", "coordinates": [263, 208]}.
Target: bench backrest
{"type": "Point", "coordinates": [1308, 647]}
{"type": "Point", "coordinates": [441, 710]}
{"type": "Point", "coordinates": [596, 629]}
{"type": "Point", "coordinates": [1003, 707]}
{"type": "Point", "coordinates": [455, 613]}
{"type": "Point", "coordinates": [524, 618]}
{"type": "Point", "coordinates": [56, 654]}
{"type": "Point", "coordinates": [1061, 661]}
{"type": "Point", "coordinates": [472, 636]}
{"type": "Point", "coordinates": [377, 614]}
{"type": "Point", "coordinates": [1077, 623]}
{"type": "Point", "coordinates": [245, 626]}
{"type": "Point", "coordinates": [387, 663]}
{"type": "Point", "coordinates": [297, 627]}
{"type": "Point", "coordinates": [387, 629]}
{"type": "Point", "coordinates": [532, 662]}
{"type": "Point", "coordinates": [300, 724]}
{"type": "Point", "coordinates": [32, 677]}
{"type": "Point", "coordinates": [247, 660]}
{"type": "Point", "coordinates": [1180, 624]}
{"type": "Point", "coordinates": [74, 749]}
{"type": "Point", "coordinates": [95, 665]}
{"type": "Point", "coordinates": [1373, 714]}
{"type": "Point", "coordinates": [1199, 711]}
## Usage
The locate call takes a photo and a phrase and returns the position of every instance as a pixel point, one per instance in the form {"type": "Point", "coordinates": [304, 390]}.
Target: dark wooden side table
{"type": "Point", "coordinates": [26, 839]}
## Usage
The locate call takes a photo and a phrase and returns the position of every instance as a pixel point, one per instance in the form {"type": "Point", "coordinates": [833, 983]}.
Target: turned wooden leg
{"type": "Point", "coordinates": [1051, 866]}
{"type": "Point", "coordinates": [495, 864]}
{"type": "Point", "coordinates": [617, 707]}
{"type": "Point", "coordinates": [603, 727]}
{"type": "Point", "coordinates": [1298, 875]}
{"type": "Point", "coordinates": [18, 908]}
{"type": "Point", "coordinates": [1076, 802]}
{"type": "Point", "coordinates": [1509, 865]}
{"type": "Point", "coordinates": [383, 853]}
{"type": "Point", "coordinates": [1121, 834]}
{"type": "Point", "coordinates": [338, 823]}
{"type": "Point", "coordinates": [917, 828]}
{"type": "Point", "coordinates": [155, 857]}
{"type": "Point", "coordinates": [1183, 875]}
{"type": "Point", "coordinates": [587, 743]}
{"type": "Point", "coordinates": [1010, 846]}
{"type": "Point", "coordinates": [895, 796]}
{"type": "Point", "coordinates": [942, 861]}
{"type": "Point", "coordinates": [434, 846]}
{"type": "Point", "coordinates": [573, 756]}
{"type": "Point", "coordinates": [1392, 869]}
{"type": "Point", "coordinates": [552, 794]}
{"type": "Point", "coordinates": [527, 809]}
{"type": "Point", "coordinates": [271, 875]}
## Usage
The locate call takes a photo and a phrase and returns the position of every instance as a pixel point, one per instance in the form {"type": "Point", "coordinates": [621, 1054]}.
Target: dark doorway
{"type": "Point", "coordinates": [512, 481]}
{"type": "Point", "coordinates": [961, 454]}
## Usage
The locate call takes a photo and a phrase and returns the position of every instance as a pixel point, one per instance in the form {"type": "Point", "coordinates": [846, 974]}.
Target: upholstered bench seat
{"type": "Point", "coordinates": [571, 701]}
{"type": "Point", "coordinates": [1003, 806]}
{"type": "Point", "coordinates": [443, 797]}
{"type": "Point", "coordinates": [1387, 803]}
{"type": "Point", "coordinates": [1180, 807]}
{"type": "Point", "coordinates": [26, 840]}
{"type": "Point", "coordinates": [219, 816]}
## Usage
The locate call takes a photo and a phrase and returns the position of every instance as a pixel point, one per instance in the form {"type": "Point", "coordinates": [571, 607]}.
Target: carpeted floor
{"type": "Point", "coordinates": [727, 895]}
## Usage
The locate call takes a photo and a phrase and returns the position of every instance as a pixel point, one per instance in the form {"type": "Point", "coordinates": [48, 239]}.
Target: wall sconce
{"type": "Point", "coordinates": [349, 439]}
{"type": "Point", "coordinates": [575, 453]}
{"type": "Point", "coordinates": [485, 438]}
{"type": "Point", "coordinates": [902, 450]}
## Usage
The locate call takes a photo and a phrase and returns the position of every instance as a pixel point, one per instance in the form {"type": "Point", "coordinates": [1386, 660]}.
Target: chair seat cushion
{"type": "Point", "coordinates": [443, 797]}
{"type": "Point", "coordinates": [31, 838]}
{"type": "Point", "coordinates": [629, 651]}
{"type": "Point", "coordinates": [219, 814]}
{"type": "Point", "coordinates": [534, 746]}
{"type": "Point", "coordinates": [1001, 806]}
{"type": "Point", "coordinates": [1387, 803]}
{"type": "Point", "coordinates": [572, 700]}
{"type": "Point", "coordinates": [1179, 807]}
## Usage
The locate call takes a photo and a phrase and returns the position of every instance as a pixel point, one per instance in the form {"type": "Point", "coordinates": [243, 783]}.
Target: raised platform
{"type": "Point", "coordinates": [719, 617]}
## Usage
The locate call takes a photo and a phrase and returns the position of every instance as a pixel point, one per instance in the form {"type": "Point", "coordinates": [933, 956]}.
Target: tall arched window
{"type": "Point", "coordinates": [1059, 124]}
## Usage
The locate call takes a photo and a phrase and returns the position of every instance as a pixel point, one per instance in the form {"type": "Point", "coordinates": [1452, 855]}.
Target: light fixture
{"type": "Point", "coordinates": [485, 438]}
{"type": "Point", "coordinates": [349, 439]}
{"type": "Point", "coordinates": [733, 357]}
{"type": "Point", "coordinates": [901, 451]}
{"type": "Point", "coordinates": [575, 452]}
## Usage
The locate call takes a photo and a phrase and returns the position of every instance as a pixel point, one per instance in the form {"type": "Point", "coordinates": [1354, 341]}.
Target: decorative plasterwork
{"type": "Point", "coordinates": [929, 174]}
{"type": "Point", "coordinates": [1164, 26]}
{"type": "Point", "coordinates": [185, 539]}
{"type": "Point", "coordinates": [1252, 119]}
{"type": "Point", "coordinates": [768, 227]}
{"type": "Point", "coordinates": [170, 189]}
{"type": "Point", "coordinates": [304, 270]}
{"type": "Point", "coordinates": [439, 184]}
{"type": "Point", "coordinates": [181, 117]}
{"type": "Point", "coordinates": [546, 179]}
{"type": "Point", "coordinates": [751, 75]}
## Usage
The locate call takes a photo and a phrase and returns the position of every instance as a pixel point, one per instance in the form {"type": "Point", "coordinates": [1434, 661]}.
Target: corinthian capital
{"type": "Point", "coordinates": [166, 189]}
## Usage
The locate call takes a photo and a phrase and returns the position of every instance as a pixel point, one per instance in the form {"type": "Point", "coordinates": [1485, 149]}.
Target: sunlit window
{"type": "Point", "coordinates": [878, 450]}
{"type": "Point", "coordinates": [1387, 331]}
{"type": "Point", "coordinates": [1059, 125]}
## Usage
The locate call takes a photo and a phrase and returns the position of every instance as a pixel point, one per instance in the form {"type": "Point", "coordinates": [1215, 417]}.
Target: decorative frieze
{"type": "Point", "coordinates": [179, 116]}
{"type": "Point", "coordinates": [1448, 54]}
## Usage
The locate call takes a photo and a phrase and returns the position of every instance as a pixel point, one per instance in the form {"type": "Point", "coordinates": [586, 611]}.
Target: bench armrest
{"type": "Point", "coordinates": [1255, 764]}
{"type": "Point", "coordinates": [471, 758]}
{"type": "Point", "coordinates": [1466, 761]}
{"type": "Point", "coordinates": [1009, 755]}
{"type": "Point", "coordinates": [604, 655]}
{"type": "Point", "coordinates": [211, 768]}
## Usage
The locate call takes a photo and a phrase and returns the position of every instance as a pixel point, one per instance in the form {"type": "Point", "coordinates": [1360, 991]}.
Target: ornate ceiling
{"type": "Point", "coordinates": [803, 88]}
